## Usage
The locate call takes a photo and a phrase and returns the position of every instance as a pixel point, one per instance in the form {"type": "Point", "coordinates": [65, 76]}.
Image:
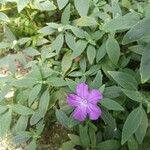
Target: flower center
{"type": "Point", "coordinates": [84, 102]}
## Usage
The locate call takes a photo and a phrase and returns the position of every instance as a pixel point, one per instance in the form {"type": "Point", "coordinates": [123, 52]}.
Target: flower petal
{"type": "Point", "coordinates": [82, 90]}
{"type": "Point", "coordinates": [80, 113]}
{"type": "Point", "coordinates": [94, 96]}
{"type": "Point", "coordinates": [73, 100]}
{"type": "Point", "coordinates": [94, 112]}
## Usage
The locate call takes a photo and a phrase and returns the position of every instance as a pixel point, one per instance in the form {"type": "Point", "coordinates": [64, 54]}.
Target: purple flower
{"type": "Point", "coordinates": [85, 102]}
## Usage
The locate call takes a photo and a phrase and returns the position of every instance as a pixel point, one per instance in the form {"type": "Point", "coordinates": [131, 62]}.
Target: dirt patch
{"type": "Point", "coordinates": [53, 137]}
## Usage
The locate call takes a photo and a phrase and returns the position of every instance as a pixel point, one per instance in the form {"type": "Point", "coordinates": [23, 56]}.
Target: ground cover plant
{"type": "Point", "coordinates": [75, 74]}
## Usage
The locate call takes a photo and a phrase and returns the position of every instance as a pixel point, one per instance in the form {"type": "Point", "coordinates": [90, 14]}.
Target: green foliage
{"type": "Point", "coordinates": [47, 47]}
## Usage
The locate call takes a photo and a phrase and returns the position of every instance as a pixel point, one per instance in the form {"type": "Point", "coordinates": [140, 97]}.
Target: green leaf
{"type": "Point", "coordinates": [113, 49]}
{"type": "Point", "coordinates": [86, 21]}
{"type": "Point", "coordinates": [78, 32]}
{"type": "Point", "coordinates": [84, 137]}
{"type": "Point", "coordinates": [9, 34]}
{"type": "Point", "coordinates": [101, 52]}
{"type": "Point", "coordinates": [5, 122]}
{"type": "Point", "coordinates": [45, 54]}
{"type": "Point", "coordinates": [21, 137]}
{"type": "Point", "coordinates": [97, 82]}
{"type": "Point", "coordinates": [91, 53]}
{"type": "Point", "coordinates": [3, 109]}
{"type": "Point", "coordinates": [112, 92]}
{"type": "Point", "coordinates": [62, 3]}
{"type": "Point", "coordinates": [141, 131]}
{"type": "Point", "coordinates": [138, 31]}
{"type": "Point", "coordinates": [69, 145]}
{"type": "Point", "coordinates": [36, 117]}
{"type": "Point", "coordinates": [66, 62]}
{"type": "Point", "coordinates": [21, 4]}
{"type": "Point", "coordinates": [56, 82]}
{"type": "Point", "coordinates": [122, 22]}
{"type": "Point", "coordinates": [58, 43]}
{"type": "Point", "coordinates": [31, 52]}
{"type": "Point", "coordinates": [116, 10]}
{"type": "Point", "coordinates": [131, 124]}
{"type": "Point", "coordinates": [132, 144]}
{"type": "Point", "coordinates": [4, 17]}
{"type": "Point", "coordinates": [83, 64]}
{"type": "Point", "coordinates": [111, 104]}
{"type": "Point", "coordinates": [22, 110]}
{"type": "Point", "coordinates": [4, 91]}
{"type": "Point", "coordinates": [82, 7]}
{"type": "Point", "coordinates": [62, 118]}
{"type": "Point", "coordinates": [92, 135]}
{"type": "Point", "coordinates": [134, 95]}
{"type": "Point", "coordinates": [66, 15]}
{"type": "Point", "coordinates": [75, 139]}
{"type": "Point", "coordinates": [4, 45]}
{"type": "Point", "coordinates": [109, 145]}
{"type": "Point", "coordinates": [70, 40]}
{"type": "Point", "coordinates": [44, 5]}
{"type": "Point", "coordinates": [80, 47]}
{"type": "Point", "coordinates": [125, 80]}
{"type": "Point", "coordinates": [27, 82]}
{"type": "Point", "coordinates": [34, 93]}
{"type": "Point", "coordinates": [145, 64]}
{"type": "Point", "coordinates": [21, 124]}
{"type": "Point", "coordinates": [46, 30]}
{"type": "Point", "coordinates": [44, 102]}
{"type": "Point", "coordinates": [32, 145]}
